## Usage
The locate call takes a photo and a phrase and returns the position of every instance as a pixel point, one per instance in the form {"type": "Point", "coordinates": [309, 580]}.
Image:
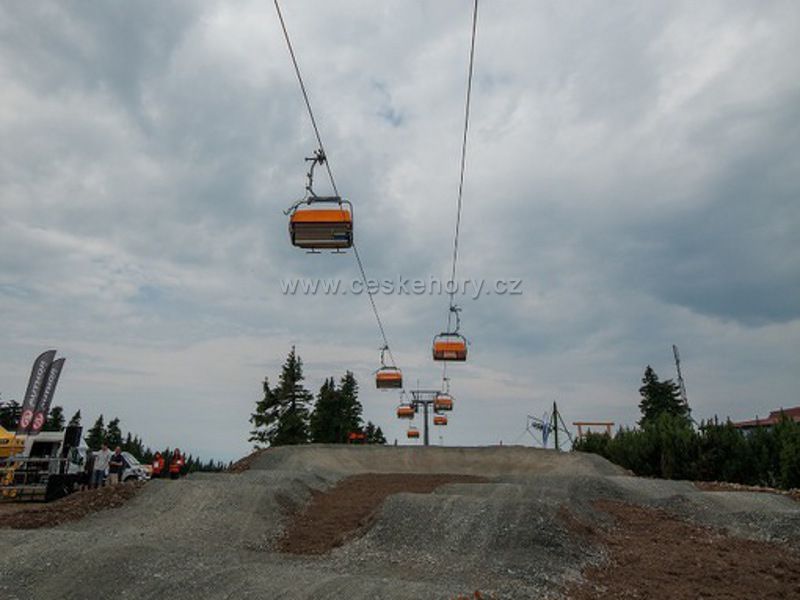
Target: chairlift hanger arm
{"type": "Point", "coordinates": [319, 158]}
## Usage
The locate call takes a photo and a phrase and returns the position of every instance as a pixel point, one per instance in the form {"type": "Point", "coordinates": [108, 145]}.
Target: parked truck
{"type": "Point", "coordinates": [45, 466]}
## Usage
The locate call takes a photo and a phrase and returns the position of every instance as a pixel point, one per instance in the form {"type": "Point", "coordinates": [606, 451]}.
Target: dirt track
{"type": "Point", "coordinates": [334, 516]}
{"type": "Point", "coordinates": [212, 536]}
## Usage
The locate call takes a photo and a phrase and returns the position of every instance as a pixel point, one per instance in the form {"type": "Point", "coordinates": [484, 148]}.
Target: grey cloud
{"type": "Point", "coordinates": [636, 165]}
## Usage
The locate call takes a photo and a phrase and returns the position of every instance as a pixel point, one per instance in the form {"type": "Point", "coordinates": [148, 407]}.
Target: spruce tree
{"type": "Point", "coordinates": [282, 416]}
{"type": "Point", "coordinates": [660, 397]}
{"type": "Point", "coordinates": [324, 422]}
{"type": "Point", "coordinates": [265, 418]}
{"type": "Point", "coordinates": [9, 414]}
{"type": "Point", "coordinates": [351, 409]}
{"type": "Point", "coordinates": [374, 434]}
{"type": "Point", "coordinates": [379, 437]}
{"type": "Point", "coordinates": [96, 435]}
{"type": "Point", "coordinates": [337, 412]}
{"type": "Point", "coordinates": [75, 421]}
{"type": "Point", "coordinates": [55, 420]}
{"type": "Point", "coordinates": [113, 433]}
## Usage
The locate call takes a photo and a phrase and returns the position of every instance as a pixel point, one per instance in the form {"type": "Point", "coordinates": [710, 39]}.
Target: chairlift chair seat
{"type": "Point", "coordinates": [405, 412]}
{"type": "Point", "coordinates": [315, 228]}
{"type": "Point", "coordinates": [450, 346]}
{"type": "Point", "coordinates": [388, 378]}
{"type": "Point", "coordinates": [443, 403]}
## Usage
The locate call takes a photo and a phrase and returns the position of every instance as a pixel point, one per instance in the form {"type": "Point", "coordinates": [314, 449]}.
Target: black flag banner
{"type": "Point", "coordinates": [40, 414]}
{"type": "Point", "coordinates": [35, 385]}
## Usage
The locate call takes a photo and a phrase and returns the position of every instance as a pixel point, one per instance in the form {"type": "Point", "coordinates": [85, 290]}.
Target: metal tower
{"type": "Point", "coordinates": [681, 385]}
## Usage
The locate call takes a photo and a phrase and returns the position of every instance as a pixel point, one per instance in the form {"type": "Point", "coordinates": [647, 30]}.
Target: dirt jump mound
{"type": "Point", "coordinates": [318, 522]}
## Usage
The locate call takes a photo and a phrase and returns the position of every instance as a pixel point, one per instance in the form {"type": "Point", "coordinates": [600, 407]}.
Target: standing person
{"type": "Point", "coordinates": [158, 464]}
{"type": "Point", "coordinates": [116, 466]}
{"type": "Point", "coordinates": [101, 459]}
{"type": "Point", "coordinates": [176, 464]}
{"type": "Point", "coordinates": [85, 479]}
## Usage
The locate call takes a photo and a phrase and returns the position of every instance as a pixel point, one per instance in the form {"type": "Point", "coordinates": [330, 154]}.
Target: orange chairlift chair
{"type": "Point", "coordinates": [405, 411]}
{"type": "Point", "coordinates": [450, 345]}
{"type": "Point", "coordinates": [439, 420]}
{"type": "Point", "coordinates": [388, 377]}
{"type": "Point", "coordinates": [413, 433]}
{"type": "Point", "coordinates": [443, 402]}
{"type": "Point", "coordinates": [320, 222]}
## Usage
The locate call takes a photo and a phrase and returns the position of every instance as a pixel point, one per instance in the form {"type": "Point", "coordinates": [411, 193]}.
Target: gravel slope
{"type": "Point", "coordinates": [213, 536]}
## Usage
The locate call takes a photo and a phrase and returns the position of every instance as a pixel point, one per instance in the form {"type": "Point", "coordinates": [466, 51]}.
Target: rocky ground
{"type": "Point", "coordinates": [389, 522]}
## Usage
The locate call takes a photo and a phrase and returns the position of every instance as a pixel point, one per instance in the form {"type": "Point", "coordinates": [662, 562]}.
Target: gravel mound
{"type": "Point", "coordinates": [486, 461]}
{"type": "Point", "coordinates": [529, 531]}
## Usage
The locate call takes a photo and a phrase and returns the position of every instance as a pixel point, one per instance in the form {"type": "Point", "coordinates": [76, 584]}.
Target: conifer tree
{"type": "Point", "coordinates": [337, 412]}
{"type": "Point", "coordinates": [75, 421]}
{"type": "Point", "coordinates": [324, 422]}
{"type": "Point", "coordinates": [55, 420]}
{"type": "Point", "coordinates": [282, 415]}
{"type": "Point", "coordinates": [9, 414]}
{"type": "Point", "coordinates": [374, 434]}
{"type": "Point", "coordinates": [351, 408]}
{"type": "Point", "coordinates": [113, 434]}
{"type": "Point", "coordinates": [660, 397]}
{"type": "Point", "coordinates": [96, 435]}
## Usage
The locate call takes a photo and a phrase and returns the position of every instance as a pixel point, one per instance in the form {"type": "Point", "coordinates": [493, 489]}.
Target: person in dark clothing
{"type": "Point", "coordinates": [116, 466]}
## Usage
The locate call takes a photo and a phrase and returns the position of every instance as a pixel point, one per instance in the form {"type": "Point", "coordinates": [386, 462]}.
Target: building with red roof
{"type": "Point", "coordinates": [772, 419]}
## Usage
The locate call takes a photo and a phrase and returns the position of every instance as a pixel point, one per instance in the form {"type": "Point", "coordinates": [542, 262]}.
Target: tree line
{"type": "Point", "coordinates": [667, 443]}
{"type": "Point", "coordinates": [11, 411]}
{"type": "Point", "coordinates": [288, 413]}
{"type": "Point", "coordinates": [111, 433]}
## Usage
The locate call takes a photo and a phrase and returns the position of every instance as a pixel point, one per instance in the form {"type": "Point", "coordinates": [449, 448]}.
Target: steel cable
{"type": "Point", "coordinates": [360, 264]}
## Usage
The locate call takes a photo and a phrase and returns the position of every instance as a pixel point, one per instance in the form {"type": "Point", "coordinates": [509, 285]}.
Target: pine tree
{"type": "Point", "coordinates": [96, 435]}
{"type": "Point", "coordinates": [379, 437]}
{"type": "Point", "coordinates": [324, 422]}
{"type": "Point", "coordinates": [264, 419]}
{"type": "Point", "coordinates": [351, 408]}
{"type": "Point", "coordinates": [9, 414]}
{"type": "Point", "coordinates": [113, 433]}
{"type": "Point", "coordinates": [75, 421]}
{"type": "Point", "coordinates": [282, 415]}
{"type": "Point", "coordinates": [660, 397]}
{"type": "Point", "coordinates": [55, 420]}
{"type": "Point", "coordinates": [337, 412]}
{"type": "Point", "coordinates": [374, 434]}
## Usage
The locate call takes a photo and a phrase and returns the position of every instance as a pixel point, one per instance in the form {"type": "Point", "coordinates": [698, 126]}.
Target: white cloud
{"type": "Point", "coordinates": [635, 164]}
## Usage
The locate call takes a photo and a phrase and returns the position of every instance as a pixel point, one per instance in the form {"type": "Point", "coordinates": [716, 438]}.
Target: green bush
{"type": "Point", "coordinates": [669, 447]}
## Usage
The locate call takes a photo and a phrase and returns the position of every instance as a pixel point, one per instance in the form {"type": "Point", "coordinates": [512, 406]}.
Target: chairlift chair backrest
{"type": "Point", "coordinates": [450, 346]}
{"type": "Point", "coordinates": [315, 228]}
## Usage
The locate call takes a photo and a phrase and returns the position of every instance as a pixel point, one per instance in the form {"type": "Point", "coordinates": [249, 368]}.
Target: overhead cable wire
{"type": "Point", "coordinates": [463, 168]}
{"type": "Point", "coordinates": [463, 158]}
{"type": "Point", "coordinates": [370, 293]}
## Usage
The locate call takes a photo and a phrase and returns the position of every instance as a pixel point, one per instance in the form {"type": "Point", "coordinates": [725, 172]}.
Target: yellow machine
{"type": "Point", "coordinates": [10, 444]}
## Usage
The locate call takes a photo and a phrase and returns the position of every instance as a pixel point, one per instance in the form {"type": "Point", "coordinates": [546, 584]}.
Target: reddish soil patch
{"type": "Point", "coordinates": [654, 554]}
{"type": "Point", "coordinates": [72, 508]}
{"type": "Point", "coordinates": [336, 515]}
{"type": "Point", "coordinates": [244, 464]}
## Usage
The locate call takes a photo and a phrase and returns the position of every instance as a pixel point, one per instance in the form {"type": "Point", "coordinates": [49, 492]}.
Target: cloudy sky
{"type": "Point", "coordinates": [637, 165]}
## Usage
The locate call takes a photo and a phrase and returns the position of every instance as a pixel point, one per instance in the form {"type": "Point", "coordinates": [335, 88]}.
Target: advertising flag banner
{"type": "Point", "coordinates": [40, 414]}
{"type": "Point", "coordinates": [35, 385]}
